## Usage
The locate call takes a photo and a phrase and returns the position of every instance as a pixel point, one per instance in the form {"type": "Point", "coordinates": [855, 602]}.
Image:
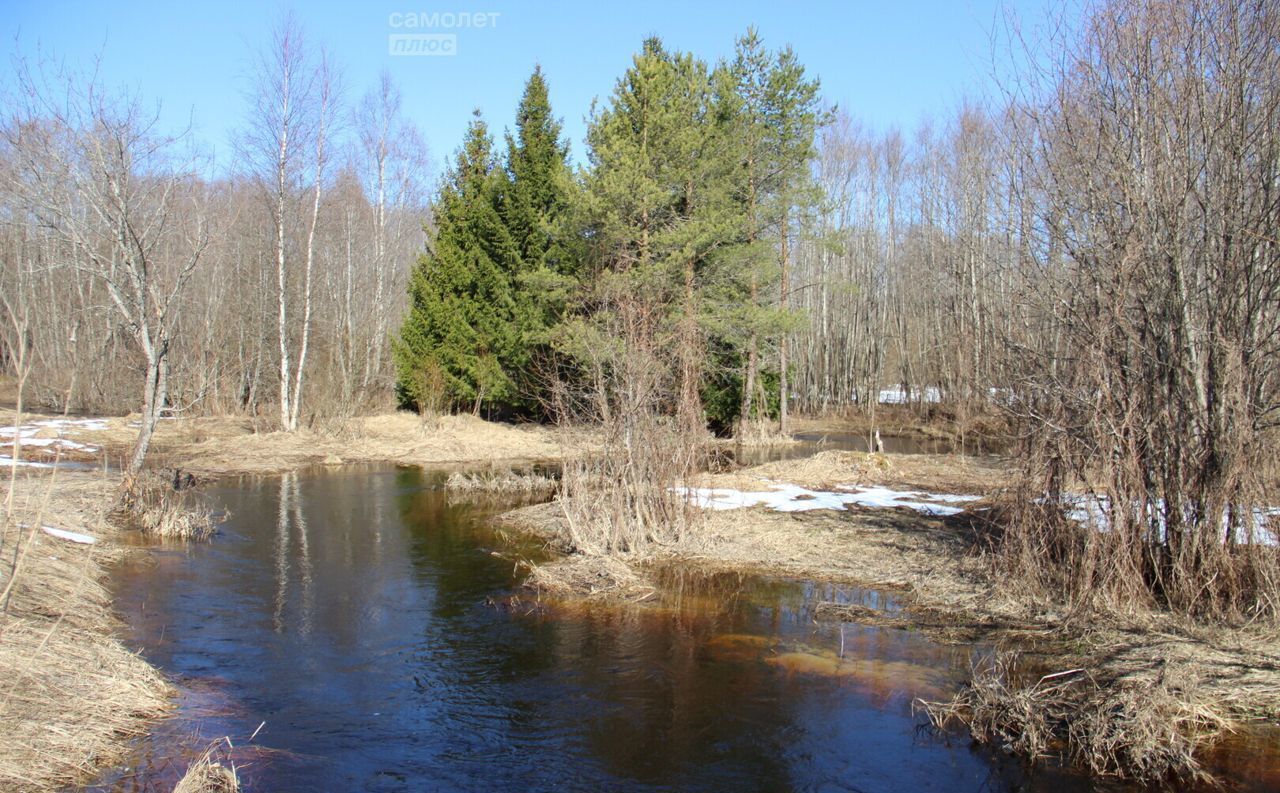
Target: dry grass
{"type": "Point", "coordinates": [501, 481]}
{"type": "Point", "coordinates": [211, 772]}
{"type": "Point", "coordinates": [1159, 687]}
{"type": "Point", "coordinates": [1151, 724]}
{"type": "Point", "coordinates": [944, 473]}
{"type": "Point", "coordinates": [399, 437]}
{"type": "Point", "coordinates": [153, 503]}
{"type": "Point", "coordinates": [70, 693]}
{"type": "Point", "coordinates": [596, 577]}
{"type": "Point", "coordinates": [213, 446]}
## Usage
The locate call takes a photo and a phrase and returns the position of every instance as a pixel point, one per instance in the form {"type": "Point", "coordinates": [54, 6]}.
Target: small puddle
{"type": "Point", "coordinates": [350, 618]}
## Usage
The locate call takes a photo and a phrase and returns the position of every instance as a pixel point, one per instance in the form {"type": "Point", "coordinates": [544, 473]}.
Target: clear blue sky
{"type": "Point", "coordinates": [888, 63]}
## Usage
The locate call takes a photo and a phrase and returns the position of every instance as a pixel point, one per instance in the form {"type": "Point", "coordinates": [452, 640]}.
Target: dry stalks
{"type": "Point", "coordinates": [212, 772]}
{"type": "Point", "coordinates": [161, 506]}
{"type": "Point", "coordinates": [620, 498]}
{"type": "Point", "coordinates": [1156, 388]}
{"type": "Point", "coordinates": [593, 577]}
{"type": "Point", "coordinates": [506, 481]}
{"type": "Point", "coordinates": [1149, 724]}
{"type": "Point", "coordinates": [69, 692]}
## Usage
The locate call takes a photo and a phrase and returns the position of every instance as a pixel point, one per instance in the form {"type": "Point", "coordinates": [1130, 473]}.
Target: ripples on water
{"type": "Point", "coordinates": [352, 611]}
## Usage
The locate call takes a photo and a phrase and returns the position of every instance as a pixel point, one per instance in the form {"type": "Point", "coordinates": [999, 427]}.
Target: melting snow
{"type": "Point", "coordinates": [26, 433]}
{"type": "Point", "coordinates": [793, 498]}
{"type": "Point", "coordinates": [1095, 511]}
{"type": "Point", "coordinates": [6, 460]}
{"type": "Point", "coordinates": [72, 536]}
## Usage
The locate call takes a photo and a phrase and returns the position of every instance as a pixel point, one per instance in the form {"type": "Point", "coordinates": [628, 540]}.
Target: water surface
{"type": "Point", "coordinates": [367, 618]}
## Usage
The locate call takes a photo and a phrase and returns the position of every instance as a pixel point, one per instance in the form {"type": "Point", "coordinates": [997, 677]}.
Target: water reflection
{"type": "Point", "coordinates": [349, 610]}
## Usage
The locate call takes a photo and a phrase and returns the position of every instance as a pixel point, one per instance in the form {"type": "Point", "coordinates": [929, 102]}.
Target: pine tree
{"type": "Point", "coordinates": [660, 201]}
{"type": "Point", "coordinates": [777, 119]}
{"type": "Point", "coordinates": [460, 327]}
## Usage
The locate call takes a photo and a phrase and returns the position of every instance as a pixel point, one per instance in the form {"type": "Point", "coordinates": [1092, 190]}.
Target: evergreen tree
{"type": "Point", "coordinates": [538, 184]}
{"type": "Point", "coordinates": [459, 331]}
{"type": "Point", "coordinates": [536, 206]}
{"type": "Point", "coordinates": [776, 121]}
{"type": "Point", "coordinates": [658, 198]}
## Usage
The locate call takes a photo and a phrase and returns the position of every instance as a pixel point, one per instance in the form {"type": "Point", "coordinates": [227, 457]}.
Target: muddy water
{"type": "Point", "coordinates": [367, 619]}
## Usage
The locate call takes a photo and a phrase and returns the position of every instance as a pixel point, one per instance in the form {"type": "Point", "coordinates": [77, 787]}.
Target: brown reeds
{"type": "Point", "coordinates": [529, 483]}
{"type": "Point", "coordinates": [1150, 724]}
{"type": "Point", "coordinates": [162, 505]}
{"type": "Point", "coordinates": [211, 772]}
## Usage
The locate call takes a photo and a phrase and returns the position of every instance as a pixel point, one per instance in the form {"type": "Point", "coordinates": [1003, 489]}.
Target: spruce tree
{"type": "Point", "coordinates": [536, 207]}
{"type": "Point", "coordinates": [460, 326]}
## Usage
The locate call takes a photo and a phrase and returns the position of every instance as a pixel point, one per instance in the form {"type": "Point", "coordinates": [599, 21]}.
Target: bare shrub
{"type": "Point", "coordinates": [1153, 391]}
{"type": "Point", "coordinates": [621, 497]}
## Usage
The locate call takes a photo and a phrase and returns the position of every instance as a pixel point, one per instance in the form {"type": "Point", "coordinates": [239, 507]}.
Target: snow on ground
{"type": "Point", "coordinates": [1095, 511]}
{"type": "Point", "coordinates": [901, 395]}
{"type": "Point", "coordinates": [6, 461]}
{"type": "Point", "coordinates": [26, 433]}
{"type": "Point", "coordinates": [793, 498]}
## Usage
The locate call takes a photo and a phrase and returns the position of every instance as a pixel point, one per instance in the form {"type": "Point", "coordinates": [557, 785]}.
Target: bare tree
{"type": "Point", "coordinates": [93, 170]}
{"type": "Point", "coordinates": [285, 147]}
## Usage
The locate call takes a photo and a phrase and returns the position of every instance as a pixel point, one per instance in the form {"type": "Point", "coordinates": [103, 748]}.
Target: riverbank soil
{"type": "Point", "coordinates": [70, 692]}
{"type": "Point", "coordinates": [1202, 681]}
{"type": "Point", "coordinates": [227, 445]}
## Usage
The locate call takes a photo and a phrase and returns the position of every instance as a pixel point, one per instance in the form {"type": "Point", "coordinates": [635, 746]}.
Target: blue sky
{"type": "Point", "coordinates": [887, 63]}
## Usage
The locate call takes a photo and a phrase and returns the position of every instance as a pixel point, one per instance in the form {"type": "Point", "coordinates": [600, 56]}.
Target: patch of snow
{"type": "Point", "coordinates": [5, 460]}
{"type": "Point", "coordinates": [1094, 510]}
{"type": "Point", "coordinates": [26, 434]}
{"type": "Point", "coordinates": [792, 498]}
{"type": "Point", "coordinates": [71, 536]}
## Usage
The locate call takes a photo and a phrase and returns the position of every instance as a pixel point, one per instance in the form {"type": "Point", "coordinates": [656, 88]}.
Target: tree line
{"type": "Point", "coordinates": [271, 291]}
{"type": "Point", "coordinates": [1092, 255]}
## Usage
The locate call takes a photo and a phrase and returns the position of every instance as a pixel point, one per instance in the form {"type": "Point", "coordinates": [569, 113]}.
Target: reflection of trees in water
{"type": "Point", "coordinates": [665, 711]}
{"type": "Point", "coordinates": [290, 520]}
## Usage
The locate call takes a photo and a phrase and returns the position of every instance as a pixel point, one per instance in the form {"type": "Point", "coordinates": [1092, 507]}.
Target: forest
{"type": "Point", "coordinates": [1091, 257]}
{"type": "Point", "coordinates": [1079, 267]}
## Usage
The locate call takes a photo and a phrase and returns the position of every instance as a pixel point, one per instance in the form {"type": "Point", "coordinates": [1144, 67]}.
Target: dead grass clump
{"type": "Point", "coordinates": [825, 469]}
{"type": "Point", "coordinates": [603, 577]}
{"type": "Point", "coordinates": [508, 481]}
{"type": "Point", "coordinates": [1148, 725]}
{"type": "Point", "coordinates": [208, 774]}
{"type": "Point", "coordinates": [158, 505]}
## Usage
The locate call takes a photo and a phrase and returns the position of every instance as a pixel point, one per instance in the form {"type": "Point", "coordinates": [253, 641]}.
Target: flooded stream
{"type": "Point", "coordinates": [364, 619]}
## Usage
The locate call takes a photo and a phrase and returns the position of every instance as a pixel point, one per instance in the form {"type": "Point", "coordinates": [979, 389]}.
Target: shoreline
{"type": "Point", "coordinates": [1204, 681]}
{"type": "Point", "coordinates": [72, 694]}
{"type": "Point", "coordinates": [932, 562]}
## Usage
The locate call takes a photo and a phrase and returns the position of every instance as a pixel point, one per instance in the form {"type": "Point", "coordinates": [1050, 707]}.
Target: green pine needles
{"type": "Point", "coordinates": [697, 177]}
